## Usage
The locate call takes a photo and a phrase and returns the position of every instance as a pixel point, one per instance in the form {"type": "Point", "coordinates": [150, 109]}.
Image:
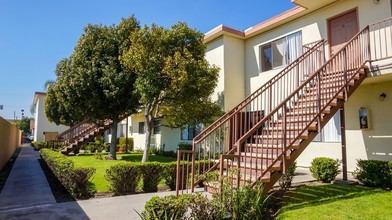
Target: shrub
{"type": "Point", "coordinates": [248, 202]}
{"type": "Point", "coordinates": [170, 172]}
{"type": "Point", "coordinates": [122, 143]}
{"type": "Point", "coordinates": [123, 178]}
{"type": "Point", "coordinates": [286, 179]}
{"type": "Point", "coordinates": [152, 174]}
{"type": "Point", "coordinates": [168, 207]}
{"type": "Point", "coordinates": [324, 169]}
{"type": "Point", "coordinates": [185, 146]}
{"type": "Point", "coordinates": [38, 145]}
{"type": "Point", "coordinates": [244, 203]}
{"type": "Point", "coordinates": [374, 173]}
{"type": "Point", "coordinates": [77, 182]}
{"type": "Point", "coordinates": [167, 153]}
{"type": "Point", "coordinates": [74, 180]}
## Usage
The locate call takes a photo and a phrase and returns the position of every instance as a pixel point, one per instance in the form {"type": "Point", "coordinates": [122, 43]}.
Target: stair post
{"type": "Point", "coordinates": [344, 150]}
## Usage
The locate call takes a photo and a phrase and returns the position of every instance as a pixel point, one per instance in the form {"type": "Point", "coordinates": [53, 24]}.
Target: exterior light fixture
{"type": "Point", "coordinates": [382, 96]}
{"type": "Point", "coordinates": [376, 1]}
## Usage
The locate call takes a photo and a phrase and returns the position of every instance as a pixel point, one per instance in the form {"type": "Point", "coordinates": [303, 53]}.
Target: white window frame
{"type": "Point", "coordinates": [288, 55]}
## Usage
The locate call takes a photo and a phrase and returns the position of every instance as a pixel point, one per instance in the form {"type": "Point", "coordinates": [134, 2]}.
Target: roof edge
{"type": "Point", "coordinates": [222, 30]}
{"type": "Point", "coordinates": [265, 25]}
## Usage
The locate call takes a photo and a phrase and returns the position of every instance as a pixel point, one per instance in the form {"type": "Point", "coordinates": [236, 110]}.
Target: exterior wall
{"type": "Point", "coordinates": [374, 143]}
{"type": "Point", "coordinates": [42, 123]}
{"type": "Point", "coordinates": [228, 54]}
{"type": "Point", "coordinates": [313, 27]}
{"type": "Point", "coordinates": [10, 138]}
{"type": "Point", "coordinates": [169, 137]}
{"type": "Point", "coordinates": [215, 56]}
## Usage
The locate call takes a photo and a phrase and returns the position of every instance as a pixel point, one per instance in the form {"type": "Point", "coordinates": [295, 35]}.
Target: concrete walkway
{"type": "Point", "coordinates": [26, 184]}
{"type": "Point", "coordinates": [27, 195]}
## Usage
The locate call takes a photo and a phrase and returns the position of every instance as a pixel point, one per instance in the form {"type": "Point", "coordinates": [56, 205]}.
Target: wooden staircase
{"type": "Point", "coordinates": [263, 135]}
{"type": "Point", "coordinates": [82, 133]}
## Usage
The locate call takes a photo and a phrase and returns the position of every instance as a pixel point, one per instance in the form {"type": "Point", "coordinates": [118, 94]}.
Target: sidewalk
{"type": "Point", "coordinates": [27, 195]}
{"type": "Point", "coordinates": [26, 184]}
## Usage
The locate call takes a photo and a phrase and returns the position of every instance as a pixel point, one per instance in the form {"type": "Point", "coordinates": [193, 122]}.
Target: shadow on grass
{"type": "Point", "coordinates": [134, 157]}
{"type": "Point", "coordinates": [321, 194]}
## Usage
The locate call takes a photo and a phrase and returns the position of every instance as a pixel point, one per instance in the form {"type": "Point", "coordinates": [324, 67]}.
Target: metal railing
{"type": "Point", "coordinates": [264, 128]}
{"type": "Point", "coordinates": [227, 130]}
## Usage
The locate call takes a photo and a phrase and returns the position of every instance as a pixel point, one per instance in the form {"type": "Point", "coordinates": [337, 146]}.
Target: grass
{"type": "Point", "coordinates": [334, 201]}
{"type": "Point", "coordinates": [98, 180]}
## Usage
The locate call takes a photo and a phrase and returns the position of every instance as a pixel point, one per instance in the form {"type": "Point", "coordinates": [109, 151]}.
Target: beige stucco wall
{"type": "Point", "coordinates": [313, 27]}
{"type": "Point", "coordinates": [228, 54]}
{"type": "Point", "coordinates": [373, 143]}
{"type": "Point", "coordinates": [10, 138]}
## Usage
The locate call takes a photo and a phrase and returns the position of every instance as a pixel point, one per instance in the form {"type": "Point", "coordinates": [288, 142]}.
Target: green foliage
{"type": "Point", "coordinates": [248, 202]}
{"type": "Point", "coordinates": [93, 83]}
{"type": "Point", "coordinates": [185, 146]}
{"type": "Point", "coordinates": [24, 125]}
{"type": "Point", "coordinates": [324, 169]}
{"type": "Point", "coordinates": [96, 145]}
{"type": "Point", "coordinates": [168, 207]}
{"type": "Point", "coordinates": [76, 181]}
{"type": "Point", "coordinates": [244, 203]}
{"type": "Point", "coordinates": [152, 175]}
{"type": "Point", "coordinates": [39, 144]}
{"type": "Point", "coordinates": [286, 179]}
{"type": "Point", "coordinates": [170, 174]}
{"type": "Point", "coordinates": [123, 178]}
{"type": "Point", "coordinates": [173, 78]}
{"type": "Point", "coordinates": [374, 173]}
{"type": "Point", "coordinates": [122, 143]}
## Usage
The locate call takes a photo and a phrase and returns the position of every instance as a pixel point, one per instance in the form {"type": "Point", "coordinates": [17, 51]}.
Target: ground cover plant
{"type": "Point", "coordinates": [99, 183]}
{"type": "Point", "coordinates": [337, 201]}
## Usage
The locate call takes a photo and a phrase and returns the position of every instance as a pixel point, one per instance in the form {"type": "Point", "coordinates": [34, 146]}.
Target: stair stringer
{"type": "Point", "coordinates": [295, 153]}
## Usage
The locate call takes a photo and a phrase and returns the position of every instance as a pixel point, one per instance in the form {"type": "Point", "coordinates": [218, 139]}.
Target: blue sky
{"type": "Point", "coordinates": [35, 35]}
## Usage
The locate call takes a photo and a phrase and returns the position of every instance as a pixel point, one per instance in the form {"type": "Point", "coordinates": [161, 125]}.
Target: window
{"type": "Point", "coordinates": [157, 127]}
{"type": "Point", "coordinates": [190, 132]}
{"type": "Point", "coordinates": [331, 131]}
{"type": "Point", "coordinates": [141, 128]}
{"type": "Point", "coordinates": [281, 52]}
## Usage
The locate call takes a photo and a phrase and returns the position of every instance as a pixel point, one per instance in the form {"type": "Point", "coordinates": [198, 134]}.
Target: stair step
{"type": "Point", "coordinates": [279, 135]}
{"type": "Point", "coordinates": [306, 103]}
{"type": "Point", "coordinates": [304, 111]}
{"type": "Point", "coordinates": [253, 168]}
{"type": "Point", "coordinates": [296, 127]}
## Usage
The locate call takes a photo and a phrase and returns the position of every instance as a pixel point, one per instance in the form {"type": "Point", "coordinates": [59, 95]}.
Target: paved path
{"type": "Point", "coordinates": [26, 184]}
{"type": "Point", "coordinates": [27, 195]}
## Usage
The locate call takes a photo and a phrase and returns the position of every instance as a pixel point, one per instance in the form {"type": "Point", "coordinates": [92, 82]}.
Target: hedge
{"type": "Point", "coordinates": [123, 178]}
{"type": "Point", "coordinates": [75, 180]}
{"type": "Point", "coordinates": [374, 173]}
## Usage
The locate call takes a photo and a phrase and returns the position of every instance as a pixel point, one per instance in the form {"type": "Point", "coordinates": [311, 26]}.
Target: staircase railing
{"type": "Point", "coordinates": [309, 101]}
{"type": "Point", "coordinates": [227, 130]}
{"type": "Point", "coordinates": [278, 116]}
{"type": "Point", "coordinates": [80, 130]}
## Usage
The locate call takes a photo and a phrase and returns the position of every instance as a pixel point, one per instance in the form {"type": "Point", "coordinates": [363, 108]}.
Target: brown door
{"type": "Point", "coordinates": [341, 29]}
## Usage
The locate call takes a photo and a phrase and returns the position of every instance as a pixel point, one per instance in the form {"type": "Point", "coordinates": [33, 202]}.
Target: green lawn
{"type": "Point", "coordinates": [333, 201]}
{"type": "Point", "coordinates": [99, 182]}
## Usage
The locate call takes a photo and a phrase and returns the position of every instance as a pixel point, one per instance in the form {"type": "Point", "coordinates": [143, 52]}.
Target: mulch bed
{"type": "Point", "coordinates": [5, 172]}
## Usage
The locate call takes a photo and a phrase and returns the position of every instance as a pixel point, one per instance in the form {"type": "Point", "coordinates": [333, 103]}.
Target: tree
{"type": "Point", "coordinates": [174, 81]}
{"type": "Point", "coordinates": [24, 125]}
{"type": "Point", "coordinates": [93, 83]}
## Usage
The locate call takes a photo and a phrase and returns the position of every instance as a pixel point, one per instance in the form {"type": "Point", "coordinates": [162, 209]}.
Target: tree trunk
{"type": "Point", "coordinates": [113, 140]}
{"type": "Point", "coordinates": [149, 125]}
